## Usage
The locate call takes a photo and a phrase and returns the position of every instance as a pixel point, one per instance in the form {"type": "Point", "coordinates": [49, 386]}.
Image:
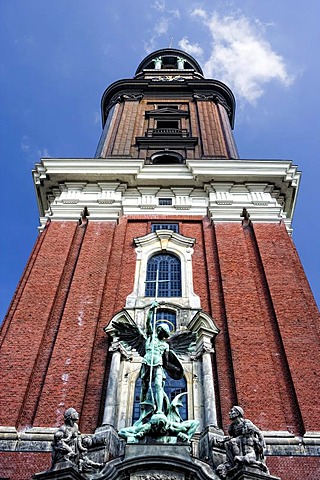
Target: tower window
{"type": "Point", "coordinates": [167, 105]}
{"type": "Point", "coordinates": [165, 226]}
{"type": "Point", "coordinates": [169, 276]}
{"type": "Point", "coordinates": [166, 158]}
{"type": "Point", "coordinates": [168, 124]}
{"type": "Point", "coordinates": [165, 201]}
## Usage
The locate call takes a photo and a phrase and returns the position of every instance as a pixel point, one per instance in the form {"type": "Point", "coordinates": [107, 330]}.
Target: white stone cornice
{"type": "Point", "coordinates": [84, 166]}
{"type": "Point", "coordinates": [102, 169]}
{"type": "Point", "coordinates": [223, 169]}
{"type": "Point", "coordinates": [111, 187]}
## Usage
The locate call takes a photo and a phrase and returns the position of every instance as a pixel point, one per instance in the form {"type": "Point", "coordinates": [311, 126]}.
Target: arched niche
{"type": "Point", "coordinates": [197, 366]}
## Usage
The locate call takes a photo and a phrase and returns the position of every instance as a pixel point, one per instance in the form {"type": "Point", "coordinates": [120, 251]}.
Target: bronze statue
{"type": "Point", "coordinates": [160, 356]}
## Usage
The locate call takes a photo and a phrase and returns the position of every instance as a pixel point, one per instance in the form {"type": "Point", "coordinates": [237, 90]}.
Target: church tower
{"type": "Point", "coordinates": [166, 209]}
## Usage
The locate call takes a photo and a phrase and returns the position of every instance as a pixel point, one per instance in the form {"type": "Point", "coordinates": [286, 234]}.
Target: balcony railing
{"type": "Point", "coordinates": [172, 132]}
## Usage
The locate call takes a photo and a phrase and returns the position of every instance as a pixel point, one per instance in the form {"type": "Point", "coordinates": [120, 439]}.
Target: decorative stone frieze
{"type": "Point", "coordinates": [111, 188]}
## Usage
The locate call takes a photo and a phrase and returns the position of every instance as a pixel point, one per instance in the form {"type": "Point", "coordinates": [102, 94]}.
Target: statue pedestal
{"type": "Point", "coordinates": [61, 471]}
{"type": "Point", "coordinates": [160, 450]}
{"type": "Point", "coordinates": [106, 444]}
{"type": "Point", "coordinates": [250, 473]}
{"type": "Point", "coordinates": [151, 461]}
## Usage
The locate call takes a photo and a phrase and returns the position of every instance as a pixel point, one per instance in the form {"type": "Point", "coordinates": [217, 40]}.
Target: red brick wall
{"type": "Point", "coordinates": [294, 468]}
{"type": "Point", "coordinates": [257, 389]}
{"type": "Point", "coordinates": [22, 465]}
{"type": "Point", "coordinates": [22, 338]}
{"type": "Point", "coordinates": [239, 275]}
{"type": "Point", "coordinates": [67, 375]}
{"type": "Point", "coordinates": [21, 285]}
{"type": "Point", "coordinates": [109, 306]}
{"type": "Point", "coordinates": [297, 317]}
{"type": "Point", "coordinates": [250, 281]}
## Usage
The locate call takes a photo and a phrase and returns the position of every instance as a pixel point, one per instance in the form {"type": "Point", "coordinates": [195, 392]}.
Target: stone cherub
{"type": "Point", "coordinates": [159, 353]}
{"type": "Point", "coordinates": [244, 445]}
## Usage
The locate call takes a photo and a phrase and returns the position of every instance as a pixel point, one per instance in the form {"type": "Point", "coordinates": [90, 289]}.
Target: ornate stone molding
{"type": "Point", "coordinates": [111, 187]}
{"type": "Point", "coordinates": [214, 98]}
{"type": "Point", "coordinates": [168, 78]}
{"type": "Point", "coordinates": [170, 242]}
{"type": "Point", "coordinates": [39, 439]}
{"type": "Point", "coordinates": [123, 97]}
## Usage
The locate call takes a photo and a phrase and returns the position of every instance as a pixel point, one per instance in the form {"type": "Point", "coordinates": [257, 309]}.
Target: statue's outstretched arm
{"type": "Point", "coordinates": [150, 316]}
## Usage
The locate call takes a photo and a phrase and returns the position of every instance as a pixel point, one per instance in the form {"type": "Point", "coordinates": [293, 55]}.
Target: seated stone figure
{"type": "Point", "coordinates": [244, 445]}
{"type": "Point", "coordinates": [67, 445]}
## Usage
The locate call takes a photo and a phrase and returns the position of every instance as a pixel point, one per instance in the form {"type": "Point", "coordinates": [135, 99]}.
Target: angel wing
{"type": "Point", "coordinates": [182, 342]}
{"type": "Point", "coordinates": [130, 334]}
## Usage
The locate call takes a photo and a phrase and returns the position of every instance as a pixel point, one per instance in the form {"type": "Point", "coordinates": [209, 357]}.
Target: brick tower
{"type": "Point", "coordinates": [165, 191]}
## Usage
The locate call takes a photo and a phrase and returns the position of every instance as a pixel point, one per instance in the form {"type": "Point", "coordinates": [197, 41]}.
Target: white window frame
{"type": "Point", "coordinates": [164, 241]}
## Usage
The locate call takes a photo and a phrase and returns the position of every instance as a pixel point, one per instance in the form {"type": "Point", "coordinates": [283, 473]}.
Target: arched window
{"type": "Point", "coordinates": [166, 160]}
{"type": "Point", "coordinates": [172, 389]}
{"type": "Point", "coordinates": [169, 278]}
{"type": "Point", "coordinates": [164, 315]}
{"type": "Point", "coordinates": [166, 157]}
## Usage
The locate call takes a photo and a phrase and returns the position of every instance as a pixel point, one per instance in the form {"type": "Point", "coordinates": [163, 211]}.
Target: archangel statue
{"type": "Point", "coordinates": [160, 356]}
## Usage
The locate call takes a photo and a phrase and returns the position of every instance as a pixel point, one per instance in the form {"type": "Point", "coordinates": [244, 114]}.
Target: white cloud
{"type": "Point", "coordinates": [240, 56]}
{"type": "Point", "coordinates": [199, 12]}
{"type": "Point", "coordinates": [161, 28]}
{"type": "Point", "coordinates": [25, 143]}
{"type": "Point", "coordinates": [193, 49]}
{"type": "Point", "coordinates": [43, 153]}
{"type": "Point", "coordinates": [175, 13]}
{"type": "Point", "coordinates": [159, 5]}
{"type": "Point", "coordinates": [161, 24]}
{"type": "Point", "coordinates": [33, 151]}
{"type": "Point", "coordinates": [150, 45]}
{"type": "Point", "coordinates": [97, 117]}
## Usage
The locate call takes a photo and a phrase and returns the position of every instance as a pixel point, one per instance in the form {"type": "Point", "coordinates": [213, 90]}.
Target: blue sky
{"type": "Point", "coordinates": [58, 57]}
